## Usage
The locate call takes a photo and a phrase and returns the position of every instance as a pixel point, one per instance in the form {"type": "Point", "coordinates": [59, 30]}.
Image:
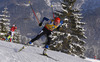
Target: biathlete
{"type": "Point", "coordinates": [47, 29]}
{"type": "Point", "coordinates": [11, 33]}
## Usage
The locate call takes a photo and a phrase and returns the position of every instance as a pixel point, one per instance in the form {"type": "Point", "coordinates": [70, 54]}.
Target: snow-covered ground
{"type": "Point", "coordinates": [9, 53]}
{"type": "Point", "coordinates": [92, 60]}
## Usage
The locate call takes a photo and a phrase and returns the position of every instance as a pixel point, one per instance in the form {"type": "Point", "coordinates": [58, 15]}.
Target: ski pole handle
{"type": "Point", "coordinates": [52, 11]}
{"type": "Point", "coordinates": [34, 12]}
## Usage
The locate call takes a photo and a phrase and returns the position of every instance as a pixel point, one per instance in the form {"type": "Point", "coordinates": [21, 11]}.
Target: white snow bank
{"type": "Point", "coordinates": [8, 53]}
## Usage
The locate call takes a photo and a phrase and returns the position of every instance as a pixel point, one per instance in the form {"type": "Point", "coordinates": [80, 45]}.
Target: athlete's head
{"type": "Point", "coordinates": [14, 25]}
{"type": "Point", "coordinates": [57, 20]}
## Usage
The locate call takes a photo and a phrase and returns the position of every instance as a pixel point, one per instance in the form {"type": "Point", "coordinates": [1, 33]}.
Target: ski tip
{"type": "Point", "coordinates": [21, 49]}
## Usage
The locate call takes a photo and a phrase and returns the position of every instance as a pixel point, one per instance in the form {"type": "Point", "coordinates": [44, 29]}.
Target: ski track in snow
{"type": "Point", "coordinates": [8, 53]}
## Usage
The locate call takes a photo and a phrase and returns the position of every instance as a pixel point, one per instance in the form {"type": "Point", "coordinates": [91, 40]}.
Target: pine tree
{"type": "Point", "coordinates": [17, 37]}
{"type": "Point", "coordinates": [69, 38]}
{"type": "Point", "coordinates": [4, 23]}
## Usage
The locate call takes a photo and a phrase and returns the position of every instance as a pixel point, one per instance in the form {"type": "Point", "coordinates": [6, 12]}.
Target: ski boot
{"type": "Point", "coordinates": [44, 52]}
{"type": "Point", "coordinates": [29, 43]}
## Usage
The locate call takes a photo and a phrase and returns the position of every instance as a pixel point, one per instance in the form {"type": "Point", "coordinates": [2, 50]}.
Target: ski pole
{"type": "Point", "coordinates": [34, 12]}
{"type": "Point", "coordinates": [52, 10]}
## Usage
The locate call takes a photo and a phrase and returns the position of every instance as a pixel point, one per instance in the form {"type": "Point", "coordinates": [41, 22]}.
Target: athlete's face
{"type": "Point", "coordinates": [56, 23]}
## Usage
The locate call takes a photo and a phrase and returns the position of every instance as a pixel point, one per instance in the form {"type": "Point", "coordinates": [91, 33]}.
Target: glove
{"type": "Point", "coordinates": [40, 24]}
{"type": "Point", "coordinates": [58, 28]}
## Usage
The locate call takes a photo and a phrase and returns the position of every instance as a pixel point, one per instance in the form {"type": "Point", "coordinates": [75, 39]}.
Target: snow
{"type": "Point", "coordinates": [80, 3]}
{"type": "Point", "coordinates": [48, 2]}
{"type": "Point", "coordinates": [92, 60]}
{"type": "Point", "coordinates": [23, 4]}
{"type": "Point", "coordinates": [5, 19]}
{"type": "Point", "coordinates": [9, 53]}
{"type": "Point", "coordinates": [4, 15]}
{"type": "Point", "coordinates": [2, 33]}
{"type": "Point", "coordinates": [4, 11]}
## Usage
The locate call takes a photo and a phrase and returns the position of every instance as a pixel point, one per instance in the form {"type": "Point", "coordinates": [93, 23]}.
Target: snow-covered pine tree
{"type": "Point", "coordinates": [69, 38]}
{"type": "Point", "coordinates": [17, 37]}
{"type": "Point", "coordinates": [4, 23]}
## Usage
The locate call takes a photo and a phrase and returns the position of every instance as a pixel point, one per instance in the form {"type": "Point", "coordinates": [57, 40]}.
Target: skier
{"type": "Point", "coordinates": [48, 28]}
{"type": "Point", "coordinates": [12, 32]}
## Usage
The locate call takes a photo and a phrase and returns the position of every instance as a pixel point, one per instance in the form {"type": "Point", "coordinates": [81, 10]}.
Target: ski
{"type": "Point", "coordinates": [49, 57]}
{"type": "Point", "coordinates": [21, 49]}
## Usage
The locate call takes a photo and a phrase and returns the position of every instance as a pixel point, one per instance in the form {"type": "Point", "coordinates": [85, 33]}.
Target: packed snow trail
{"type": "Point", "coordinates": [9, 53]}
